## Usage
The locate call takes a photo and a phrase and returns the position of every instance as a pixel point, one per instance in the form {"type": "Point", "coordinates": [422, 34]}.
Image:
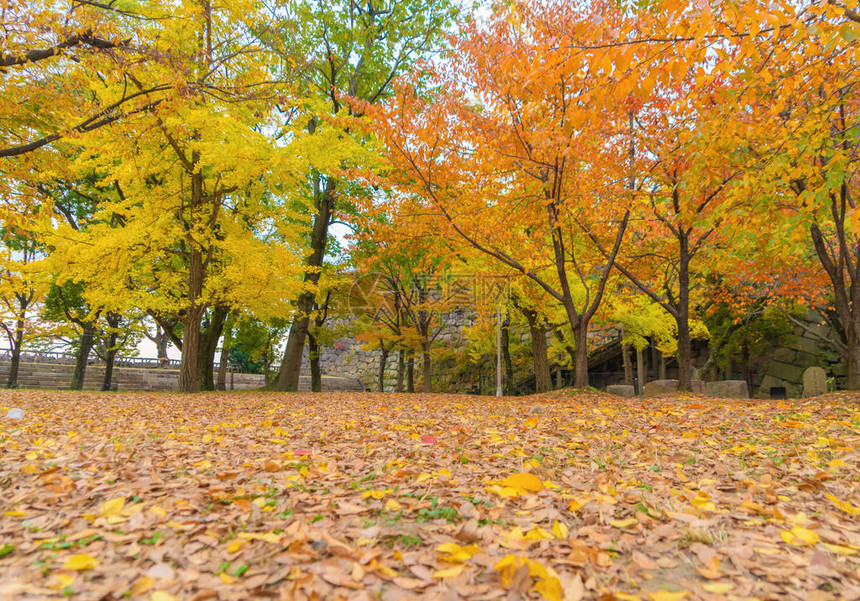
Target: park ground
{"type": "Point", "coordinates": [368, 496]}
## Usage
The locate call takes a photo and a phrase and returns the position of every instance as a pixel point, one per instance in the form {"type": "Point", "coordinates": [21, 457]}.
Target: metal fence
{"type": "Point", "coordinates": [59, 358]}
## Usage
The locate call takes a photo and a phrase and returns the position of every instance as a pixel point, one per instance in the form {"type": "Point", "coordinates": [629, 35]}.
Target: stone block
{"type": "Point", "coordinates": [659, 387]}
{"type": "Point", "coordinates": [810, 346]}
{"type": "Point", "coordinates": [785, 371]}
{"type": "Point", "coordinates": [621, 390]}
{"type": "Point", "coordinates": [768, 382]}
{"type": "Point", "coordinates": [728, 389]}
{"type": "Point", "coordinates": [785, 354]}
{"type": "Point", "coordinates": [814, 381]}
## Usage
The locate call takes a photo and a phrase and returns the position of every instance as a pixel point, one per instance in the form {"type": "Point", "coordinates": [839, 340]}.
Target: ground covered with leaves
{"type": "Point", "coordinates": [367, 496]}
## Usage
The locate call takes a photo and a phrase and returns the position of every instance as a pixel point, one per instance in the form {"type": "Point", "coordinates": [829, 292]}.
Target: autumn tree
{"type": "Point", "coordinates": [187, 221]}
{"type": "Point", "coordinates": [355, 50]}
{"type": "Point", "coordinates": [20, 291]}
{"type": "Point", "coordinates": [802, 129]}
{"type": "Point", "coordinates": [518, 153]}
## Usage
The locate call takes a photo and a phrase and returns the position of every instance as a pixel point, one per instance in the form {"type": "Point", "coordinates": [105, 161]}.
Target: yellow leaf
{"type": "Point", "coordinates": [503, 491]}
{"type": "Point", "coordinates": [227, 578]}
{"type": "Point", "coordinates": [28, 469]}
{"type": "Point", "coordinates": [449, 573]}
{"type": "Point", "coordinates": [455, 553]}
{"type": "Point", "coordinates": [423, 477]}
{"type": "Point", "coordinates": [839, 549]}
{"type": "Point", "coordinates": [576, 504]}
{"type": "Point", "coordinates": [624, 523]}
{"type": "Point", "coordinates": [627, 597]}
{"type": "Point", "coordinates": [536, 534]}
{"type": "Point", "coordinates": [158, 510]}
{"type": "Point", "coordinates": [31, 456]}
{"type": "Point", "coordinates": [845, 506]}
{"type": "Point", "coordinates": [718, 587]}
{"type": "Point", "coordinates": [667, 596]}
{"type": "Point", "coordinates": [703, 503]}
{"type": "Point", "coordinates": [236, 545]}
{"type": "Point", "coordinates": [59, 581]}
{"type": "Point", "coordinates": [799, 536]}
{"type": "Point", "coordinates": [507, 566]}
{"type": "Point", "coordinates": [204, 464]}
{"type": "Point", "coordinates": [560, 530]}
{"type": "Point", "coordinates": [836, 463]}
{"type": "Point", "coordinates": [112, 507]}
{"type": "Point", "coordinates": [550, 588]}
{"type": "Point", "coordinates": [14, 514]}
{"type": "Point", "coordinates": [81, 561]}
{"type": "Point", "coordinates": [269, 537]}
{"type": "Point", "coordinates": [523, 482]}
{"type": "Point", "coordinates": [392, 505]}
{"type": "Point", "coordinates": [163, 596]}
{"type": "Point", "coordinates": [141, 586]}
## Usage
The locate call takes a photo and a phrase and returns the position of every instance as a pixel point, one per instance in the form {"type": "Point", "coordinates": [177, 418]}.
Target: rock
{"type": "Point", "coordinates": [814, 381]}
{"type": "Point", "coordinates": [659, 387]}
{"type": "Point", "coordinates": [728, 389]}
{"type": "Point", "coordinates": [15, 413]}
{"type": "Point", "coordinates": [621, 390]}
{"type": "Point", "coordinates": [537, 410]}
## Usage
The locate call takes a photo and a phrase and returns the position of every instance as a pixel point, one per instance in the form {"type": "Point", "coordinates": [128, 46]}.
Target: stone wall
{"type": "Point", "coordinates": [59, 376]}
{"type": "Point", "coordinates": [784, 366]}
{"type": "Point", "coordinates": [346, 357]}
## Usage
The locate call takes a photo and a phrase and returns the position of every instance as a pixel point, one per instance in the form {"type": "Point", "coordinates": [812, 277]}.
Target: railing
{"type": "Point", "coordinates": [58, 358]}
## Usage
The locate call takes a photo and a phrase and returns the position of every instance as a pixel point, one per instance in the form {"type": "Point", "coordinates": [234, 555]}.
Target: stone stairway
{"type": "Point", "coordinates": [57, 376]}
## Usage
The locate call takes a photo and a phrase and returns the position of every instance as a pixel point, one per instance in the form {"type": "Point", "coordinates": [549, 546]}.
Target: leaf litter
{"type": "Point", "coordinates": [368, 496]}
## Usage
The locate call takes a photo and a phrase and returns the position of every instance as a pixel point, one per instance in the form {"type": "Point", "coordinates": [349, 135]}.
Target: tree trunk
{"type": "Point", "coordinates": [383, 362]}
{"type": "Point", "coordinates": [662, 367]}
{"type": "Point", "coordinates": [208, 343]}
{"type": "Point", "coordinates": [628, 364]}
{"type": "Point", "coordinates": [162, 340]}
{"type": "Point", "coordinates": [314, 360]}
{"type": "Point", "coordinates": [110, 355]}
{"type": "Point", "coordinates": [15, 363]}
{"type": "Point", "coordinates": [580, 340]}
{"type": "Point", "coordinates": [427, 373]}
{"type": "Point", "coordinates": [746, 374]}
{"type": "Point", "coordinates": [410, 374]}
{"type": "Point", "coordinates": [83, 355]}
{"type": "Point", "coordinates": [506, 355]}
{"type": "Point", "coordinates": [223, 361]}
{"type": "Point", "coordinates": [401, 370]}
{"type": "Point", "coordinates": [685, 350]}
{"type": "Point", "coordinates": [291, 366]}
{"type": "Point", "coordinates": [543, 378]}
